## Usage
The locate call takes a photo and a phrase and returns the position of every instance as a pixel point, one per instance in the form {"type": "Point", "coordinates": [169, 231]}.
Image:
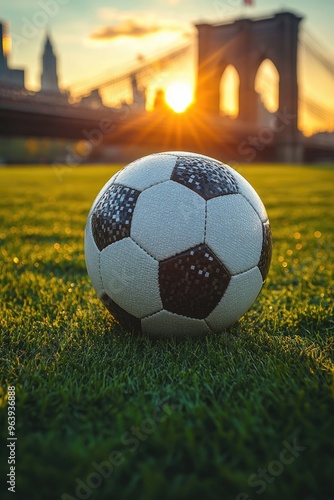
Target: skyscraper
{"type": "Point", "coordinates": [8, 77]}
{"type": "Point", "coordinates": [4, 46]}
{"type": "Point", "coordinates": [49, 77]}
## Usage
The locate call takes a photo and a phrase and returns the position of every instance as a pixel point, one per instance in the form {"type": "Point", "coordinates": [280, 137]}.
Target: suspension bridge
{"type": "Point", "coordinates": [111, 109]}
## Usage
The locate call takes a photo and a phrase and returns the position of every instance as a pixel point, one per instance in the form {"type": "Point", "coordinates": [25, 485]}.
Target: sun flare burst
{"type": "Point", "coordinates": [179, 96]}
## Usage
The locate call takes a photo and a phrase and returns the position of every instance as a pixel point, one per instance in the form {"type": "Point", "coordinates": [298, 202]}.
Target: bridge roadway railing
{"type": "Point", "coordinates": [52, 104]}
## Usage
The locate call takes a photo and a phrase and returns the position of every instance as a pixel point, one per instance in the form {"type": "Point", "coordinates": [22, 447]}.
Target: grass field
{"type": "Point", "coordinates": [103, 415]}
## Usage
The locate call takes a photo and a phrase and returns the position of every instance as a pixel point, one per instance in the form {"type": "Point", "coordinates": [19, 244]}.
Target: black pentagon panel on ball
{"type": "Point", "coordinates": [192, 282]}
{"type": "Point", "coordinates": [126, 320]}
{"type": "Point", "coordinates": [207, 178]}
{"type": "Point", "coordinates": [112, 216]}
{"type": "Point", "coordinates": [265, 258]}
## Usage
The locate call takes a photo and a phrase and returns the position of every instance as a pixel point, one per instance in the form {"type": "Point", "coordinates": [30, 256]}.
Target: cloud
{"type": "Point", "coordinates": [127, 28]}
{"type": "Point", "coordinates": [133, 25]}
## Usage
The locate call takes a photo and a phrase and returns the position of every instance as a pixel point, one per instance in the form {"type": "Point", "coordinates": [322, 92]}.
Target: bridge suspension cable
{"type": "Point", "coordinates": [155, 64]}
{"type": "Point", "coordinates": [316, 109]}
{"type": "Point", "coordinates": [319, 69]}
{"type": "Point", "coordinates": [317, 50]}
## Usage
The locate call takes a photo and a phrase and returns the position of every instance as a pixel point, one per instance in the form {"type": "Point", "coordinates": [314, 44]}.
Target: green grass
{"type": "Point", "coordinates": [208, 413]}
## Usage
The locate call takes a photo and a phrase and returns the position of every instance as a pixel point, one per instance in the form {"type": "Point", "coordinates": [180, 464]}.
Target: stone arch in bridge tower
{"type": "Point", "coordinates": [266, 85]}
{"type": "Point", "coordinates": [229, 91]}
{"type": "Point", "coordinates": [245, 43]}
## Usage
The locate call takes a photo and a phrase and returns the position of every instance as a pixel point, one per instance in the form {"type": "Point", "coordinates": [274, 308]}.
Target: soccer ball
{"type": "Point", "coordinates": [177, 243]}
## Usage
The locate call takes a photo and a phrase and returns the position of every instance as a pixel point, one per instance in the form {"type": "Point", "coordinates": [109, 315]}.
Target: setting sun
{"type": "Point", "coordinates": [179, 96]}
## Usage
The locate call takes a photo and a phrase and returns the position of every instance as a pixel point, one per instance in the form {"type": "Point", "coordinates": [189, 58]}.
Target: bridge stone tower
{"type": "Point", "coordinates": [245, 43]}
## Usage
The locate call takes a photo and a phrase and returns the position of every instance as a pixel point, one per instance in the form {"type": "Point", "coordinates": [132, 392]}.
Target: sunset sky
{"type": "Point", "coordinates": [96, 39]}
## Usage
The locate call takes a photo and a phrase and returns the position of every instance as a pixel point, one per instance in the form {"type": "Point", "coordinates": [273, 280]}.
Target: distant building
{"type": "Point", "coordinates": [8, 77]}
{"type": "Point", "coordinates": [138, 95]}
{"type": "Point", "coordinates": [160, 101]}
{"type": "Point", "coordinates": [49, 77]}
{"type": "Point", "coordinates": [326, 138]}
{"type": "Point", "coordinates": [92, 100]}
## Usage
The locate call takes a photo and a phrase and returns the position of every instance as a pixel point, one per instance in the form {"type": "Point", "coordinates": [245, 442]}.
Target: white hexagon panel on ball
{"type": "Point", "coordinates": [147, 171]}
{"type": "Point", "coordinates": [92, 258]}
{"type": "Point", "coordinates": [168, 218]}
{"type": "Point", "coordinates": [241, 292]}
{"type": "Point", "coordinates": [165, 323]}
{"type": "Point", "coordinates": [130, 278]}
{"type": "Point", "coordinates": [234, 232]}
{"type": "Point", "coordinates": [248, 192]}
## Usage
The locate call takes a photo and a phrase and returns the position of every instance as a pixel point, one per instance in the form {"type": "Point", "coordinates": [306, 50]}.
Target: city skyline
{"type": "Point", "coordinates": [105, 30]}
{"type": "Point", "coordinates": [92, 41]}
